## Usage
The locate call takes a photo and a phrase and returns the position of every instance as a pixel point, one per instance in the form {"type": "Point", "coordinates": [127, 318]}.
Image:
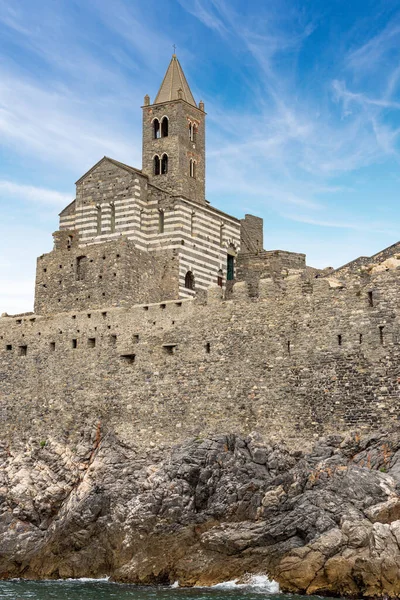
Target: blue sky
{"type": "Point", "coordinates": [303, 103]}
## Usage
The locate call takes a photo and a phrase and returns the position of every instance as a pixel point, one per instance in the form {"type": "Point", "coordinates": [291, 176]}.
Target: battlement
{"type": "Point", "coordinates": [303, 356]}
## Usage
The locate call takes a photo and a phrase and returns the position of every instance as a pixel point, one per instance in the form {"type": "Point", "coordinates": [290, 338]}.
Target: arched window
{"type": "Point", "coordinates": [98, 219]}
{"type": "Point", "coordinates": [160, 221]}
{"type": "Point", "coordinates": [112, 217]}
{"type": "Point", "coordinates": [189, 280]}
{"type": "Point", "coordinates": [194, 133]}
{"type": "Point", "coordinates": [190, 168]}
{"type": "Point", "coordinates": [156, 129]}
{"type": "Point", "coordinates": [164, 127]}
{"type": "Point", "coordinates": [164, 164]}
{"type": "Point", "coordinates": [220, 278]}
{"type": "Point", "coordinates": [156, 165]}
{"type": "Point", "coordinates": [194, 170]}
{"type": "Point", "coordinates": [191, 132]}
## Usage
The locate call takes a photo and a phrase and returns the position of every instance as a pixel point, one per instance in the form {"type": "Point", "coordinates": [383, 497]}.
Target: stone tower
{"type": "Point", "coordinates": [174, 138]}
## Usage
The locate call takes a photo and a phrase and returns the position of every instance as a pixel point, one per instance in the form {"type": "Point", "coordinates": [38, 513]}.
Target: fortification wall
{"type": "Point", "coordinates": [306, 356]}
{"type": "Point", "coordinates": [100, 275]}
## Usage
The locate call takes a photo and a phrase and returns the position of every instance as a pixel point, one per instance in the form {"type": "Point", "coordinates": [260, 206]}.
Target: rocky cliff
{"type": "Point", "coordinates": [207, 510]}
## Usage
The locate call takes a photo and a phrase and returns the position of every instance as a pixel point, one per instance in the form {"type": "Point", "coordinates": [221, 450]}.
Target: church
{"type": "Point", "coordinates": [146, 235]}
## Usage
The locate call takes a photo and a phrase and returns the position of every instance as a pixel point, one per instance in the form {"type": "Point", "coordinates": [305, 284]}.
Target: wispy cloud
{"type": "Point", "coordinates": [33, 194]}
{"type": "Point", "coordinates": [295, 114]}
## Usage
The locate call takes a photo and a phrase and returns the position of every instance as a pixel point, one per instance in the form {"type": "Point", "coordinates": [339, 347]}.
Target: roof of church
{"type": "Point", "coordinates": [174, 81]}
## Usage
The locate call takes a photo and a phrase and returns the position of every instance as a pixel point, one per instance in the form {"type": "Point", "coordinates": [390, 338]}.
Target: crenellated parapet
{"type": "Point", "coordinates": [304, 355]}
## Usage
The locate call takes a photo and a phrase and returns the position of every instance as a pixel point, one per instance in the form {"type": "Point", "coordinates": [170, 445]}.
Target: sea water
{"type": "Point", "coordinates": [86, 589]}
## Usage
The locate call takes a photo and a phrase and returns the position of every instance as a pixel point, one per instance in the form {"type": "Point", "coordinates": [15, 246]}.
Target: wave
{"type": "Point", "coordinates": [255, 582]}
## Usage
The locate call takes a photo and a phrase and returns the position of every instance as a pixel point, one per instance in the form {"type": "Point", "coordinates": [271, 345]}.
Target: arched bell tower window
{"type": "Point", "coordinates": [156, 129]}
{"type": "Point", "coordinates": [164, 127]}
{"type": "Point", "coordinates": [189, 280]}
{"type": "Point", "coordinates": [156, 165]}
{"type": "Point", "coordinates": [164, 164]}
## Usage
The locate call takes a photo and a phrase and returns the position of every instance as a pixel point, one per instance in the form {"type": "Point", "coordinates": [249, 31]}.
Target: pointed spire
{"type": "Point", "coordinates": [174, 85]}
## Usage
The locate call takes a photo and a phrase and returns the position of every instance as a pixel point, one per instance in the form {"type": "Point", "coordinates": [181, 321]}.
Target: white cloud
{"type": "Point", "coordinates": [33, 194]}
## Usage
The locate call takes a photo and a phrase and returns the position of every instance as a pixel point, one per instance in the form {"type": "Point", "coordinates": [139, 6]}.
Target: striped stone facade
{"type": "Point", "coordinates": [115, 201]}
{"type": "Point", "coordinates": [159, 211]}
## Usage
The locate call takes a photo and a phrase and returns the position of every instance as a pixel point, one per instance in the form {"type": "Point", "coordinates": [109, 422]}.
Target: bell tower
{"type": "Point", "coordinates": [174, 137]}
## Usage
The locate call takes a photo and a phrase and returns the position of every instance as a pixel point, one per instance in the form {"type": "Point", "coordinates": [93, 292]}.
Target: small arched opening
{"type": "Point", "coordinates": [189, 280]}
{"type": "Point", "coordinates": [164, 164]}
{"type": "Point", "coordinates": [220, 278]}
{"type": "Point", "coordinates": [156, 129]}
{"type": "Point", "coordinates": [156, 161]}
{"type": "Point", "coordinates": [164, 127]}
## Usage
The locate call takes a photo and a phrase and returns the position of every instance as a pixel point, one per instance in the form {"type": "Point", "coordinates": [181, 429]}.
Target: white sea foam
{"type": "Point", "coordinates": [88, 579]}
{"type": "Point", "coordinates": [257, 582]}
{"type": "Point", "coordinates": [175, 584]}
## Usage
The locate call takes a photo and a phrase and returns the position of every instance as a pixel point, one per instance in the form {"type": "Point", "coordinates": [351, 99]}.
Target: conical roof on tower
{"type": "Point", "coordinates": [174, 85]}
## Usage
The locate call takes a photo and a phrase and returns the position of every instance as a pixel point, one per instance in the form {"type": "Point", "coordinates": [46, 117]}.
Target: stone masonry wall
{"type": "Point", "coordinates": [251, 234]}
{"type": "Point", "coordinates": [355, 266]}
{"type": "Point", "coordinates": [179, 148]}
{"type": "Point", "coordinates": [305, 357]}
{"type": "Point", "coordinates": [100, 275]}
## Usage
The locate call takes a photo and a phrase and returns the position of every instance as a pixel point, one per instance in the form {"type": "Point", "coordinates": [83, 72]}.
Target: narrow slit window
{"type": "Point", "coordinates": [113, 339]}
{"type": "Point", "coordinates": [98, 219]}
{"type": "Point", "coordinates": [208, 348]}
{"type": "Point", "coordinates": [339, 339]}
{"type": "Point", "coordinates": [220, 278]}
{"type": "Point", "coordinates": [23, 350]}
{"type": "Point", "coordinates": [192, 216]}
{"type": "Point", "coordinates": [112, 217]}
{"type": "Point", "coordinates": [74, 343]}
{"type": "Point", "coordinates": [52, 346]}
{"type": "Point", "coordinates": [160, 221]}
{"type": "Point", "coordinates": [288, 347]}
{"type": "Point", "coordinates": [191, 132]}
{"type": "Point", "coordinates": [370, 298]}
{"type": "Point", "coordinates": [360, 338]}
{"type": "Point", "coordinates": [381, 337]}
